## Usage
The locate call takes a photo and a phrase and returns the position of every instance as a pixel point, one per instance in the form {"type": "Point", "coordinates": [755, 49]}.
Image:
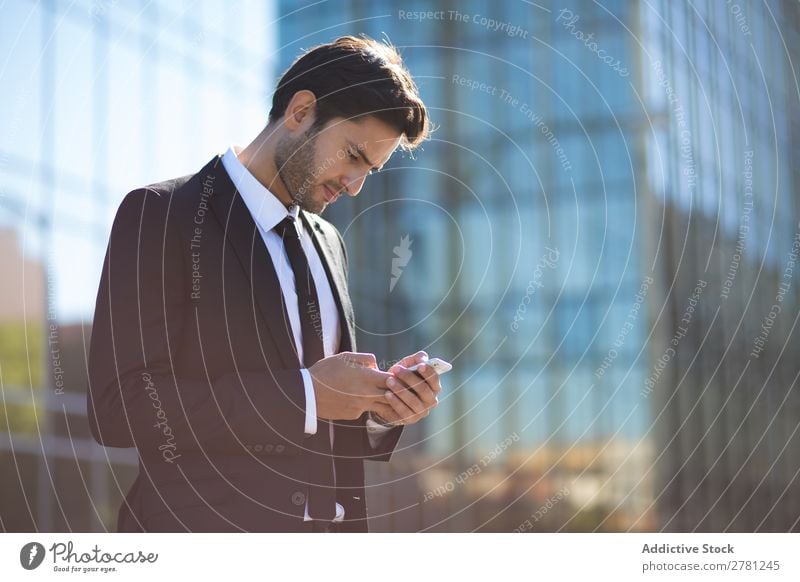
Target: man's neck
{"type": "Point", "coordinates": [259, 159]}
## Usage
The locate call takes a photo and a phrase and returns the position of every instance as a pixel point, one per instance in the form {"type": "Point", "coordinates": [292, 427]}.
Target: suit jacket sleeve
{"type": "Point", "coordinates": [143, 307]}
{"type": "Point", "coordinates": [383, 449]}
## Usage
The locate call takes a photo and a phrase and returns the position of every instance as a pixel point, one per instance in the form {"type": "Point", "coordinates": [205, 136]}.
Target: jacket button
{"type": "Point", "coordinates": [279, 448]}
{"type": "Point", "coordinates": [298, 498]}
{"type": "Point", "coordinates": [258, 448]}
{"type": "Point", "coordinates": [268, 448]}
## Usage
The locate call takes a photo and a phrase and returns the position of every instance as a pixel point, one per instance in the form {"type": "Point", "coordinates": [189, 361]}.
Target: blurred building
{"type": "Point", "coordinates": [723, 190]}
{"type": "Point", "coordinates": [99, 97]}
{"type": "Point", "coordinates": [587, 172]}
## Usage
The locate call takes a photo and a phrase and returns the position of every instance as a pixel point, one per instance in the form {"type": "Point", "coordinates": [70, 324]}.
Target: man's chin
{"type": "Point", "coordinates": [313, 206]}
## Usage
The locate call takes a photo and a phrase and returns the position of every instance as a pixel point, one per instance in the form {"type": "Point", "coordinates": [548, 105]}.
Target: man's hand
{"type": "Point", "coordinates": [411, 395]}
{"type": "Point", "coordinates": [347, 384]}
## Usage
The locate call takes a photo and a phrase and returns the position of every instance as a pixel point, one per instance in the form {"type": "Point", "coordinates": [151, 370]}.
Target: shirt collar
{"type": "Point", "coordinates": [267, 210]}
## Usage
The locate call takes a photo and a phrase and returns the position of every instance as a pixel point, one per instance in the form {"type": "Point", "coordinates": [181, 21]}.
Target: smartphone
{"type": "Point", "coordinates": [439, 366]}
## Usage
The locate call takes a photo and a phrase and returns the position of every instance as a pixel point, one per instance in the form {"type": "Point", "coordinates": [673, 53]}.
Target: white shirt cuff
{"type": "Point", "coordinates": [376, 431]}
{"type": "Point", "coordinates": [311, 402]}
{"type": "Point", "coordinates": [338, 518]}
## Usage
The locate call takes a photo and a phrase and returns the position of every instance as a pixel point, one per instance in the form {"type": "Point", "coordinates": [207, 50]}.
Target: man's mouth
{"type": "Point", "coordinates": [329, 195]}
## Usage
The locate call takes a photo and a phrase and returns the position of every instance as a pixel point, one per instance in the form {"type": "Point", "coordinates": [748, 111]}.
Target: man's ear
{"type": "Point", "coordinates": [299, 114]}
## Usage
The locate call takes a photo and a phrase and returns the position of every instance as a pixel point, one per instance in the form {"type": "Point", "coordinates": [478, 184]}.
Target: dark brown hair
{"type": "Point", "coordinates": [354, 77]}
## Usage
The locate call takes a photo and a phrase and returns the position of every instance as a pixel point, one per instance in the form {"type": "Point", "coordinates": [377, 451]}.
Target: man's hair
{"type": "Point", "coordinates": [352, 78]}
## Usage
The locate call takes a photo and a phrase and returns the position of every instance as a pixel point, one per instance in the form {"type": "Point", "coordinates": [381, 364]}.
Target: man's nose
{"type": "Point", "coordinates": [353, 185]}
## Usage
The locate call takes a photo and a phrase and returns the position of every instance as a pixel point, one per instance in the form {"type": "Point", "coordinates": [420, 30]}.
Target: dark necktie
{"type": "Point", "coordinates": [322, 489]}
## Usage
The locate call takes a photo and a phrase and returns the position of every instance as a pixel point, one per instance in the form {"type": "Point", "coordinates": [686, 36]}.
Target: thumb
{"type": "Point", "coordinates": [376, 378]}
{"type": "Point", "coordinates": [410, 360]}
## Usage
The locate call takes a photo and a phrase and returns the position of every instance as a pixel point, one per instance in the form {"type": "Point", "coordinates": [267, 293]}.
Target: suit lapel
{"type": "Point", "coordinates": [334, 269]}
{"type": "Point", "coordinates": [245, 239]}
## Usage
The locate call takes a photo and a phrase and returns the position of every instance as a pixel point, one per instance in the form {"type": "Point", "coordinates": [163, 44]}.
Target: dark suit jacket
{"type": "Point", "coordinates": [193, 363]}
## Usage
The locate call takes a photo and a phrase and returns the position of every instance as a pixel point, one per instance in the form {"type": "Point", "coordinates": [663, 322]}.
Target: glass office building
{"type": "Point", "coordinates": [99, 97]}
{"type": "Point", "coordinates": [583, 192]}
{"type": "Point", "coordinates": [720, 82]}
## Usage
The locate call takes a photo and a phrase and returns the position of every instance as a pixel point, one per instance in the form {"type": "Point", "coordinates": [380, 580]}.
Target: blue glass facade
{"type": "Point", "coordinates": [560, 218]}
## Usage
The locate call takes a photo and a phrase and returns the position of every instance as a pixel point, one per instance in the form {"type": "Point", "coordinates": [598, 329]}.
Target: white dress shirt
{"type": "Point", "coordinates": [267, 211]}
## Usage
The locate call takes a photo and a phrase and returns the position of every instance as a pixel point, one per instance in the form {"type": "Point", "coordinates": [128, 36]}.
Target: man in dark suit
{"type": "Point", "coordinates": [223, 345]}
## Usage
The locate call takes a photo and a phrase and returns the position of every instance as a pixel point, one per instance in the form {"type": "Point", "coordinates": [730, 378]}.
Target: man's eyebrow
{"type": "Point", "coordinates": [363, 156]}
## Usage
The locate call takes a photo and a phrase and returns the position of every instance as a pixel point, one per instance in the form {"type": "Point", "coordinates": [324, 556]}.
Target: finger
{"type": "Point", "coordinates": [375, 378]}
{"type": "Point", "coordinates": [385, 410]}
{"type": "Point", "coordinates": [376, 399]}
{"type": "Point", "coordinates": [431, 377]}
{"type": "Point", "coordinates": [401, 391]}
{"type": "Point", "coordinates": [419, 384]}
{"type": "Point", "coordinates": [372, 382]}
{"type": "Point", "coordinates": [404, 413]}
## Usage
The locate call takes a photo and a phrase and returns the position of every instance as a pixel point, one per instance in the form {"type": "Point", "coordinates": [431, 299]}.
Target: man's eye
{"type": "Point", "coordinates": [353, 156]}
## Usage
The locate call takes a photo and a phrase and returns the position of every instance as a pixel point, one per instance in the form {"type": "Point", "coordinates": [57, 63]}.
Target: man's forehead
{"type": "Point", "coordinates": [377, 139]}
